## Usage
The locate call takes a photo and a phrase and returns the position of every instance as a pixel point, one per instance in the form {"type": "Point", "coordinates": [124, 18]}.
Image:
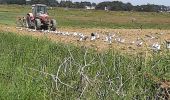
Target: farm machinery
{"type": "Point", "coordinates": [38, 19]}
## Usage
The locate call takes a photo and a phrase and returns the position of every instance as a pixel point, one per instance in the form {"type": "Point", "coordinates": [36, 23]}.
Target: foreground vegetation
{"type": "Point", "coordinates": [40, 69]}
{"type": "Point", "coordinates": [81, 18]}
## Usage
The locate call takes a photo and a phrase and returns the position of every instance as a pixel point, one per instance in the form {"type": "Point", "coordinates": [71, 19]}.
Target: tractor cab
{"type": "Point", "coordinates": [39, 9]}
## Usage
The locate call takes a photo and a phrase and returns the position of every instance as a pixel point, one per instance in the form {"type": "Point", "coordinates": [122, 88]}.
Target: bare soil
{"type": "Point", "coordinates": [129, 35]}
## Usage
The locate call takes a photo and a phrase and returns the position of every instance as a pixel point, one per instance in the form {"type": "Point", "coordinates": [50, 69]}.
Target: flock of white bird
{"type": "Point", "coordinates": [108, 37]}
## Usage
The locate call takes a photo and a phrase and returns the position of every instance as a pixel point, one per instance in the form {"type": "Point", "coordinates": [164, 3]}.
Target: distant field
{"type": "Point", "coordinates": [92, 19]}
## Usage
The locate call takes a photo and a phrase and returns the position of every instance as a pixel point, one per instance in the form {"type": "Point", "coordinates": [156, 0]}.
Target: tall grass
{"type": "Point", "coordinates": [34, 69]}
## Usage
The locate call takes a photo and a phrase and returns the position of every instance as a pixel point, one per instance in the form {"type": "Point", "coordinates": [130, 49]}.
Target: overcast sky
{"type": "Point", "coordinates": [135, 2]}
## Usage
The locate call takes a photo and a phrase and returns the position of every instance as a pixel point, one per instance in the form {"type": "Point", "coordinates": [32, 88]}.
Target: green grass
{"type": "Point", "coordinates": [24, 58]}
{"type": "Point", "coordinates": [27, 63]}
{"type": "Point", "coordinates": [81, 18]}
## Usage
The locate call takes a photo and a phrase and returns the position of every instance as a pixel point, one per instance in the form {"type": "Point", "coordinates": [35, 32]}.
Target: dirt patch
{"type": "Point", "coordinates": [147, 36]}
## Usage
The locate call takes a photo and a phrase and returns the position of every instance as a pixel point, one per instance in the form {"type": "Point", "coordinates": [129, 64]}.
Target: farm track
{"type": "Point", "coordinates": [128, 34]}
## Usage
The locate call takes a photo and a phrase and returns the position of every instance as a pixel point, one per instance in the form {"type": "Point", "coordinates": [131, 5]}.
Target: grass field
{"type": "Point", "coordinates": [92, 19]}
{"type": "Point", "coordinates": [36, 66]}
{"type": "Point", "coordinates": [28, 66]}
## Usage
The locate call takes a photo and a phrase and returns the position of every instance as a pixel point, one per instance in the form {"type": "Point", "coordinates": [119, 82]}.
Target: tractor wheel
{"type": "Point", "coordinates": [53, 25]}
{"type": "Point", "coordinates": [37, 25]}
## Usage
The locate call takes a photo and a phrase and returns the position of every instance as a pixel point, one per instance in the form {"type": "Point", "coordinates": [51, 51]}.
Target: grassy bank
{"type": "Point", "coordinates": [40, 69]}
{"type": "Point", "coordinates": [81, 18]}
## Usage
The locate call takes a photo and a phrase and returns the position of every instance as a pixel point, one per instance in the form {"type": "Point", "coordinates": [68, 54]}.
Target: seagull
{"type": "Point", "coordinates": [118, 39]}
{"type": "Point", "coordinates": [75, 34]}
{"type": "Point", "coordinates": [81, 37]}
{"type": "Point", "coordinates": [34, 30]}
{"type": "Point", "coordinates": [93, 36]}
{"type": "Point", "coordinates": [152, 37]}
{"type": "Point", "coordinates": [122, 40]}
{"type": "Point", "coordinates": [29, 30]}
{"type": "Point", "coordinates": [20, 29]}
{"type": "Point", "coordinates": [97, 35]}
{"type": "Point", "coordinates": [63, 33]}
{"type": "Point", "coordinates": [15, 27]}
{"type": "Point", "coordinates": [42, 30]}
{"type": "Point", "coordinates": [46, 31]}
{"type": "Point", "coordinates": [156, 46]}
{"type": "Point", "coordinates": [108, 38]}
{"type": "Point", "coordinates": [56, 32]}
{"type": "Point", "coordinates": [132, 42]}
{"type": "Point", "coordinates": [67, 33]}
{"type": "Point", "coordinates": [161, 33]}
{"type": "Point", "coordinates": [7, 27]}
{"type": "Point", "coordinates": [139, 44]}
{"type": "Point", "coordinates": [51, 31]}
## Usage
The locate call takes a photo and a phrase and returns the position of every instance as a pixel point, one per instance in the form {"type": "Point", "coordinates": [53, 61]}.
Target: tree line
{"type": "Point", "coordinates": [120, 6]}
{"type": "Point", "coordinates": [109, 5]}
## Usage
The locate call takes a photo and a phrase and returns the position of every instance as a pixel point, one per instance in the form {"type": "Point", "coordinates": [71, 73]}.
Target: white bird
{"type": "Point", "coordinates": [81, 37]}
{"type": "Point", "coordinates": [132, 42]}
{"type": "Point", "coordinates": [70, 33]}
{"type": "Point", "coordinates": [118, 39]}
{"type": "Point", "coordinates": [97, 35]}
{"type": "Point", "coordinates": [29, 30]}
{"type": "Point", "coordinates": [156, 46]}
{"type": "Point", "coordinates": [75, 34]}
{"type": "Point", "coordinates": [46, 31]}
{"type": "Point", "coordinates": [152, 37]}
{"type": "Point", "coordinates": [20, 29]}
{"type": "Point", "coordinates": [161, 33]}
{"type": "Point", "coordinates": [122, 40]}
{"type": "Point", "coordinates": [51, 31]}
{"type": "Point", "coordinates": [63, 33]}
{"type": "Point", "coordinates": [56, 32]}
{"type": "Point", "coordinates": [42, 30]}
{"type": "Point", "coordinates": [59, 32]}
{"type": "Point", "coordinates": [34, 30]}
{"type": "Point", "coordinates": [15, 27]}
{"type": "Point", "coordinates": [113, 35]}
{"type": "Point", "coordinates": [67, 33]}
{"type": "Point", "coordinates": [108, 38]}
{"type": "Point", "coordinates": [93, 36]}
{"type": "Point", "coordinates": [139, 43]}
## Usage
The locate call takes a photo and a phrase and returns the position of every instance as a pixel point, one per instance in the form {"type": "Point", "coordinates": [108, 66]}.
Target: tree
{"type": "Point", "coordinates": [102, 5]}
{"type": "Point", "coordinates": [52, 2]}
{"type": "Point", "coordinates": [128, 7]}
{"type": "Point", "coordinates": [39, 1]}
{"type": "Point", "coordinates": [86, 3]}
{"type": "Point", "coordinates": [93, 4]}
{"type": "Point", "coordinates": [114, 5]}
{"type": "Point", "coordinates": [78, 5]}
{"type": "Point", "coordinates": [20, 2]}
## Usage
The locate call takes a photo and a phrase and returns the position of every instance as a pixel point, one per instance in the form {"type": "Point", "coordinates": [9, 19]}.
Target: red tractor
{"type": "Point", "coordinates": [39, 18]}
